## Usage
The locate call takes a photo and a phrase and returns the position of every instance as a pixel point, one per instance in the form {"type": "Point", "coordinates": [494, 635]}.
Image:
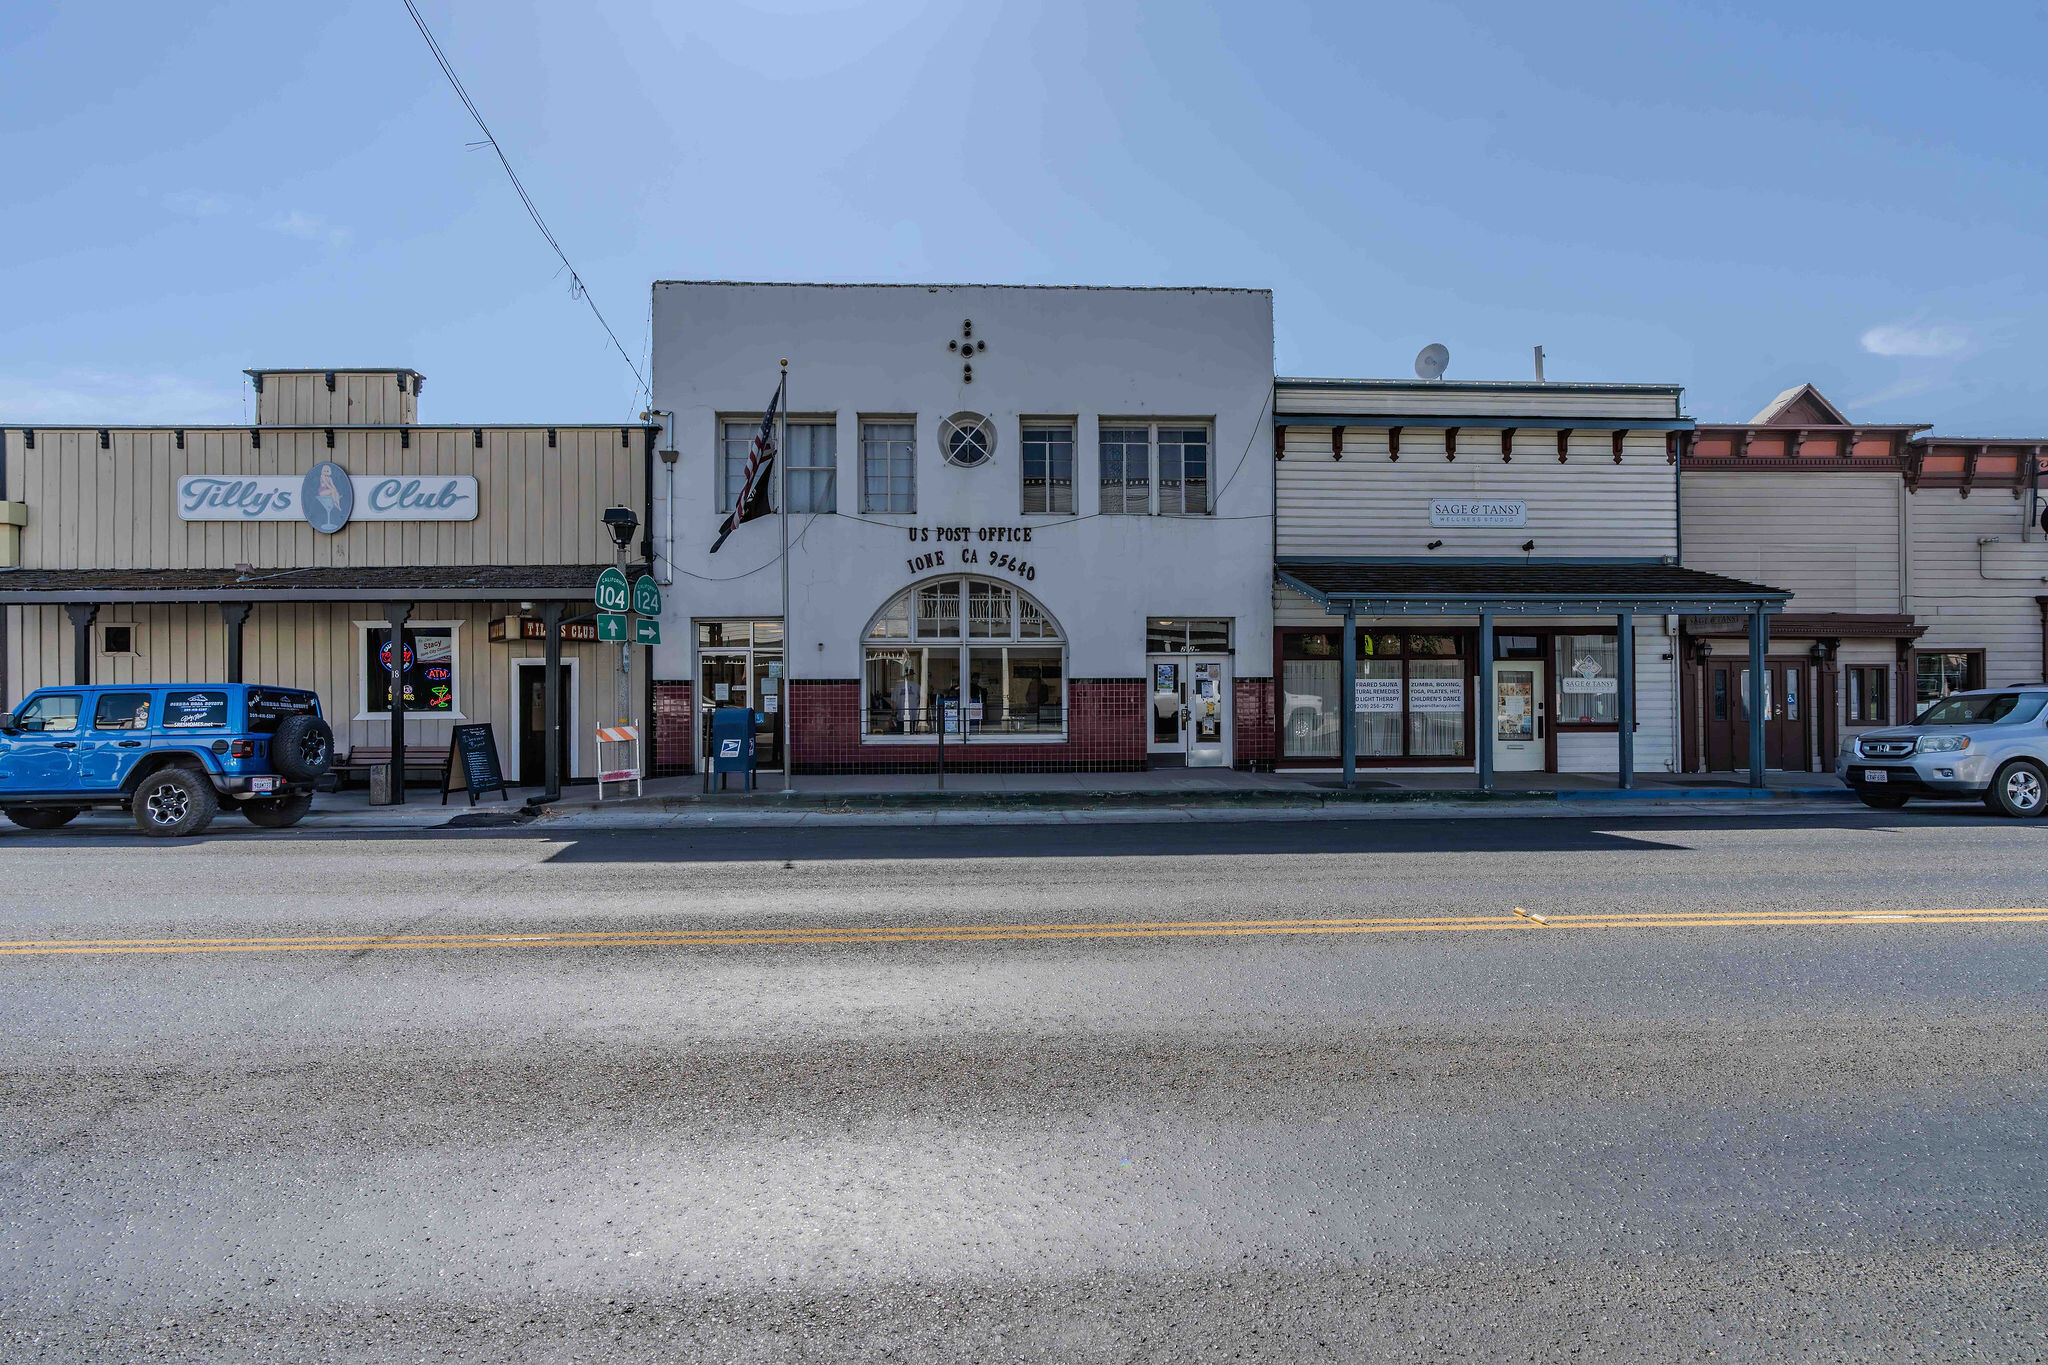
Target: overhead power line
{"type": "Point", "coordinates": [577, 289]}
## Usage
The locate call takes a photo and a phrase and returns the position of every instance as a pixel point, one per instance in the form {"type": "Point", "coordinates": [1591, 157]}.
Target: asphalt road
{"type": "Point", "coordinates": [930, 1095]}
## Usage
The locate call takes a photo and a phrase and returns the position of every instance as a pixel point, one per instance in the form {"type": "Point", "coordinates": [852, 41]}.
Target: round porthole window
{"type": "Point", "coordinates": [967, 439]}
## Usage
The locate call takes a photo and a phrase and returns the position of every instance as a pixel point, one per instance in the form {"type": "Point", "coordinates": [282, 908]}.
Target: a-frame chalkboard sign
{"type": "Point", "coordinates": [473, 763]}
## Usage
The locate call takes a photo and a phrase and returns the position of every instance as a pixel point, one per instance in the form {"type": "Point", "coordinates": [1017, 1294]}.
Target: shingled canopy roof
{"type": "Point", "coordinates": [1413, 587]}
{"type": "Point", "coordinates": [425, 582]}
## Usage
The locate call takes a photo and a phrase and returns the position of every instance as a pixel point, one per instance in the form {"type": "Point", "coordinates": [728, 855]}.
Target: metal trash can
{"type": "Point", "coordinates": [380, 784]}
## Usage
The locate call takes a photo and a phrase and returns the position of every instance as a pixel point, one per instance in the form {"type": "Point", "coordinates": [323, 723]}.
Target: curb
{"type": "Point", "coordinates": [1259, 798]}
{"type": "Point", "coordinates": [1716, 794]}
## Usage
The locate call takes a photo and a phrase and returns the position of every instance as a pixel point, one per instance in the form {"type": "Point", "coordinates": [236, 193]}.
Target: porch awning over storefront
{"type": "Point", "coordinates": [1489, 589]}
{"type": "Point", "coordinates": [425, 583]}
{"type": "Point", "coordinates": [1427, 588]}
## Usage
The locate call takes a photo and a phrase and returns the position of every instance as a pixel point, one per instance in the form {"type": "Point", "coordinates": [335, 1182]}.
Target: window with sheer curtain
{"type": "Point", "coordinates": [1588, 668]}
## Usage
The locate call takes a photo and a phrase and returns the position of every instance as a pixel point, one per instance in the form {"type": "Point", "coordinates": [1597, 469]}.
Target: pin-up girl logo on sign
{"type": "Point", "coordinates": [327, 497]}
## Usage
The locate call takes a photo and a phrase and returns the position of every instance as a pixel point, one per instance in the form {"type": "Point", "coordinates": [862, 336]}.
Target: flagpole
{"type": "Point", "coordinates": [788, 641]}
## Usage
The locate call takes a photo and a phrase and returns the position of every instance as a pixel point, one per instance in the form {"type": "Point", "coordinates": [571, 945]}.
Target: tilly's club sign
{"type": "Point", "coordinates": [327, 497]}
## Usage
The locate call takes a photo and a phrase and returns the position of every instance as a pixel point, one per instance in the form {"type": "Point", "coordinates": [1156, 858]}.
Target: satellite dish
{"type": "Point", "coordinates": [1431, 361]}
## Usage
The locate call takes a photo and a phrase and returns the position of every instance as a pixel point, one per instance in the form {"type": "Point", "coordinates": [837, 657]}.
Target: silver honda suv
{"type": "Point", "coordinates": [1991, 744]}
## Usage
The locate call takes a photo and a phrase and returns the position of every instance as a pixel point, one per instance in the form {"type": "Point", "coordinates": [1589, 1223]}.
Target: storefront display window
{"type": "Point", "coordinates": [1937, 675]}
{"type": "Point", "coordinates": [1409, 698]}
{"type": "Point", "coordinates": [427, 665]}
{"type": "Point", "coordinates": [1011, 658]}
{"type": "Point", "coordinates": [1588, 679]}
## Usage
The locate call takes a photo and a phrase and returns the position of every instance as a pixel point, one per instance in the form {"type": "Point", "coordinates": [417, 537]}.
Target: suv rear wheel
{"type": "Point", "coordinates": [174, 801]}
{"type": "Point", "coordinates": [43, 817]}
{"type": "Point", "coordinates": [2020, 789]}
{"type": "Point", "coordinates": [302, 748]}
{"type": "Point", "coordinates": [278, 812]}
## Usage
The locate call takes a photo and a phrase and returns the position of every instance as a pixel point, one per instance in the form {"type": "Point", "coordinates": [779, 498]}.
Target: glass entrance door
{"type": "Point", "coordinates": [1208, 713]}
{"type": "Point", "coordinates": [1520, 727]}
{"type": "Point", "coordinates": [1168, 735]}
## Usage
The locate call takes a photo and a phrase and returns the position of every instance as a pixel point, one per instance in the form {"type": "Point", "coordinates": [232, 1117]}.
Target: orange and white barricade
{"type": "Point", "coordinates": [618, 756]}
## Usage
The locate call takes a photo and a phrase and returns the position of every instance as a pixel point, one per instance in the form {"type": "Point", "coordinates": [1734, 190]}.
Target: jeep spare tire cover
{"type": "Point", "coordinates": [302, 749]}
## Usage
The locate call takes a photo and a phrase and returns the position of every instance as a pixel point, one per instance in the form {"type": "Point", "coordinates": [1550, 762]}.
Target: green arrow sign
{"type": "Point", "coordinates": [611, 630]}
{"type": "Point", "coordinates": [611, 591]}
{"type": "Point", "coordinates": [646, 632]}
{"type": "Point", "coordinates": [647, 595]}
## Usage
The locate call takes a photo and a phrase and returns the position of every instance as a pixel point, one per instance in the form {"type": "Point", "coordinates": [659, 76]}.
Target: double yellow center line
{"type": "Point", "coordinates": [1520, 920]}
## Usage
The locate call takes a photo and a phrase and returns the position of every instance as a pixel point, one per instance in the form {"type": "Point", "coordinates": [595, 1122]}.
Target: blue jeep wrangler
{"type": "Point", "coordinates": [174, 756]}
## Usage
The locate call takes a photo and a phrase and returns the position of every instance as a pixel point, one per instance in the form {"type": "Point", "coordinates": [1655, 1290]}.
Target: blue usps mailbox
{"type": "Point", "coordinates": [732, 743]}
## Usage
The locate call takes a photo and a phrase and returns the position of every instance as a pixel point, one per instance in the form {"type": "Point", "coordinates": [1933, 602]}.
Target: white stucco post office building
{"type": "Point", "coordinates": [1035, 523]}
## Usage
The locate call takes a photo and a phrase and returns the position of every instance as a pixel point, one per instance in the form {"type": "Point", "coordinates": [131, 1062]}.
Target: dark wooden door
{"type": "Point", "coordinates": [533, 725]}
{"type": "Point", "coordinates": [1785, 722]}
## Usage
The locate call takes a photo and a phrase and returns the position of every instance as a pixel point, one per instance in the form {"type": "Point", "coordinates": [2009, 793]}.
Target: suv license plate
{"type": "Point", "coordinates": [262, 784]}
{"type": "Point", "coordinates": [1876, 775]}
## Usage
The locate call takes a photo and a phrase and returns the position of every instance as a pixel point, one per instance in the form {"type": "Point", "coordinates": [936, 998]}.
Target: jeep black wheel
{"type": "Point", "coordinates": [1881, 799]}
{"type": "Point", "coordinates": [2020, 789]}
{"type": "Point", "coordinates": [174, 801]}
{"type": "Point", "coordinates": [302, 749]}
{"type": "Point", "coordinates": [277, 812]}
{"type": "Point", "coordinates": [43, 817]}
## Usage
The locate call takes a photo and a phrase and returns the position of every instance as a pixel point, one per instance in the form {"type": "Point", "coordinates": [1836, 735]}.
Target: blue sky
{"type": "Point", "coordinates": [1736, 197]}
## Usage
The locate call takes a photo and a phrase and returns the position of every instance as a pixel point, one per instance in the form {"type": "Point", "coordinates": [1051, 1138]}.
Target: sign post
{"type": "Point", "coordinates": [618, 745]}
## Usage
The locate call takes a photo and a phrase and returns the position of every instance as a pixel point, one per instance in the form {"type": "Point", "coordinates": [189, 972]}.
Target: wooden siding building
{"type": "Point", "coordinates": [1916, 562]}
{"type": "Point", "coordinates": [1483, 577]}
{"type": "Point", "coordinates": [279, 552]}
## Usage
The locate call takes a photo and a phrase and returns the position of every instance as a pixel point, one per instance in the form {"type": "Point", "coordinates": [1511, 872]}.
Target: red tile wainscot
{"type": "Point", "coordinates": [674, 721]}
{"type": "Point", "coordinates": [1255, 728]}
{"type": "Point", "coordinates": [1105, 733]}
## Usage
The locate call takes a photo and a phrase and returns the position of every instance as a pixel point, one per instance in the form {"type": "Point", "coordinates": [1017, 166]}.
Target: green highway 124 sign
{"type": "Point", "coordinates": [611, 593]}
{"type": "Point", "coordinates": [646, 632]}
{"type": "Point", "coordinates": [647, 596]}
{"type": "Point", "coordinates": [611, 629]}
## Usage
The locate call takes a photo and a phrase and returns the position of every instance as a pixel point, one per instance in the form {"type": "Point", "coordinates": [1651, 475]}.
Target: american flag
{"type": "Point", "coordinates": [752, 501]}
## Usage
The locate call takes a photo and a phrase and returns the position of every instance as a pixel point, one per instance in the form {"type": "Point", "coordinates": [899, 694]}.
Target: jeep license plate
{"type": "Point", "coordinates": [1876, 775]}
{"type": "Point", "coordinates": [262, 784]}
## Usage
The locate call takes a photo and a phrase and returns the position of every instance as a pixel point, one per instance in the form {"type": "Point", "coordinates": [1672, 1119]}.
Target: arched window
{"type": "Point", "coordinates": [931, 637]}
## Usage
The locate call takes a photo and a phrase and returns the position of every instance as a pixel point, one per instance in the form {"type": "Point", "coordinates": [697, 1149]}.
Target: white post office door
{"type": "Point", "coordinates": [1208, 712]}
{"type": "Point", "coordinates": [1519, 723]}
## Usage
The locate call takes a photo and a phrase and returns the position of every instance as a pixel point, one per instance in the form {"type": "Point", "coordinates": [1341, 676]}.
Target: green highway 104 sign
{"type": "Point", "coordinates": [612, 594]}
{"type": "Point", "coordinates": [611, 629]}
{"type": "Point", "coordinates": [647, 595]}
{"type": "Point", "coordinates": [646, 632]}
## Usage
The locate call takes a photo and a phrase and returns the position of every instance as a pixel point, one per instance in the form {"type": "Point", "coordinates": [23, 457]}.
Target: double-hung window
{"type": "Point", "coordinates": [1867, 699]}
{"type": "Point", "coordinates": [888, 466]}
{"type": "Point", "coordinates": [1183, 471]}
{"type": "Point", "coordinates": [1126, 460]}
{"type": "Point", "coordinates": [813, 457]}
{"type": "Point", "coordinates": [813, 467]}
{"type": "Point", "coordinates": [1125, 453]}
{"type": "Point", "coordinates": [1048, 467]}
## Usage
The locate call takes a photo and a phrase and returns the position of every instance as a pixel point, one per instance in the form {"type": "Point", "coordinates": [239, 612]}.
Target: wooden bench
{"type": "Point", "coordinates": [419, 758]}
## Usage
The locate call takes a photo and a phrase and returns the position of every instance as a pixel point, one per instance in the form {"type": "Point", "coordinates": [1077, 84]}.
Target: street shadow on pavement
{"type": "Point", "coordinates": [816, 843]}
